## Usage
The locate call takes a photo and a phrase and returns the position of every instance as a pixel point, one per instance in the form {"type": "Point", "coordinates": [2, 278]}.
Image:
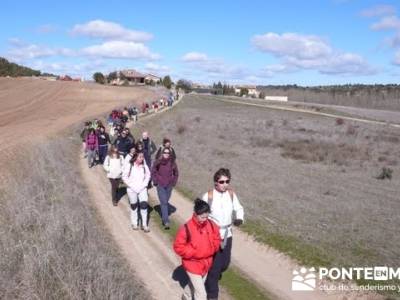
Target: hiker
{"type": "Point", "coordinates": [129, 135]}
{"type": "Point", "coordinates": [196, 242]}
{"type": "Point", "coordinates": [166, 144]}
{"type": "Point", "coordinates": [164, 175]}
{"type": "Point", "coordinates": [84, 133]}
{"type": "Point", "coordinates": [136, 176]}
{"type": "Point", "coordinates": [123, 143]}
{"type": "Point", "coordinates": [113, 164]}
{"type": "Point", "coordinates": [148, 147]}
{"type": "Point", "coordinates": [223, 203]}
{"type": "Point", "coordinates": [104, 140]}
{"type": "Point", "coordinates": [135, 114]}
{"type": "Point", "coordinates": [129, 156]}
{"type": "Point", "coordinates": [92, 147]}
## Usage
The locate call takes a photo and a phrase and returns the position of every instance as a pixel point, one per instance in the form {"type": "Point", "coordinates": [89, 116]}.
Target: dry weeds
{"type": "Point", "coordinates": [316, 181]}
{"type": "Point", "coordinates": [52, 245]}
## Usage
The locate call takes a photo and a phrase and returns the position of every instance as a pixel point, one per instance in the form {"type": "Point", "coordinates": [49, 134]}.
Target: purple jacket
{"type": "Point", "coordinates": [92, 142]}
{"type": "Point", "coordinates": [164, 173]}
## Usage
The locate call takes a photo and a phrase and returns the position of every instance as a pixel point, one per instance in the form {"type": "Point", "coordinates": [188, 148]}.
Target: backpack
{"type": "Point", "coordinates": [189, 236]}
{"type": "Point", "coordinates": [210, 196]}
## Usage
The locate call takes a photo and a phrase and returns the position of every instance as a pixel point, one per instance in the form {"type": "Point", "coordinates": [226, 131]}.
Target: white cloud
{"type": "Point", "coordinates": [156, 69]}
{"type": "Point", "coordinates": [309, 52]}
{"type": "Point", "coordinates": [194, 57]}
{"type": "Point", "coordinates": [201, 63]}
{"type": "Point", "coordinates": [396, 60]}
{"type": "Point", "coordinates": [378, 10]}
{"type": "Point", "coordinates": [110, 31]}
{"type": "Point", "coordinates": [120, 49]}
{"type": "Point", "coordinates": [22, 51]}
{"type": "Point", "coordinates": [387, 23]}
{"type": "Point", "coordinates": [292, 44]}
{"type": "Point", "coordinates": [85, 69]}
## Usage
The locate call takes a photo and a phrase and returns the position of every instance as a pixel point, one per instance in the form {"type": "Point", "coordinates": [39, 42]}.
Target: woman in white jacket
{"type": "Point", "coordinates": [113, 164]}
{"type": "Point", "coordinates": [136, 176]}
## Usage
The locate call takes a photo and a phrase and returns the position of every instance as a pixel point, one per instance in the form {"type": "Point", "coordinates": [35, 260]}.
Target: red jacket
{"type": "Point", "coordinates": [197, 251]}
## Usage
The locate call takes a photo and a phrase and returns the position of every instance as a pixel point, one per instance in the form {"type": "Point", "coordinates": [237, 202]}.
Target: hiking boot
{"type": "Point", "coordinates": [134, 227]}
{"type": "Point", "coordinates": [146, 229]}
{"type": "Point", "coordinates": [166, 226]}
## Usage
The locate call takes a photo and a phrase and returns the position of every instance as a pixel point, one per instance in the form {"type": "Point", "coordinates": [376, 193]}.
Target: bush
{"type": "Point", "coordinates": [339, 121]}
{"type": "Point", "coordinates": [386, 173]}
{"type": "Point", "coordinates": [99, 78]}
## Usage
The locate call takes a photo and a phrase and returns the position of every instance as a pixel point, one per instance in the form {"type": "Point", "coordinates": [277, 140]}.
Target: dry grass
{"type": "Point", "coordinates": [52, 245]}
{"type": "Point", "coordinates": [298, 175]}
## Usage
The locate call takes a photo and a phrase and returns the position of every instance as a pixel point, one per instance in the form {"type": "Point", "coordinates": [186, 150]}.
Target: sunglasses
{"type": "Point", "coordinates": [166, 153]}
{"type": "Point", "coordinates": [224, 181]}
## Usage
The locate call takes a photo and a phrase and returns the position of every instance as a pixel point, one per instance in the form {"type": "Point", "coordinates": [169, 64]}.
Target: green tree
{"type": "Point", "coordinates": [167, 82]}
{"type": "Point", "coordinates": [244, 92]}
{"type": "Point", "coordinates": [99, 78]}
{"type": "Point", "coordinates": [184, 85]}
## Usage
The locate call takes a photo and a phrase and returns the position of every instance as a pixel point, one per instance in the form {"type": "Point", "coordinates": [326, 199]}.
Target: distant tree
{"type": "Point", "coordinates": [11, 69]}
{"type": "Point", "coordinates": [184, 85]}
{"type": "Point", "coordinates": [112, 76]}
{"type": "Point", "coordinates": [99, 78]}
{"type": "Point", "coordinates": [167, 82]}
{"type": "Point", "coordinates": [244, 92]}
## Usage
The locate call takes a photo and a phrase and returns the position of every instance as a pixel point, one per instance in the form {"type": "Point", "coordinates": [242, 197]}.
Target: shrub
{"type": "Point", "coordinates": [181, 129]}
{"type": "Point", "coordinates": [339, 121]}
{"type": "Point", "coordinates": [386, 173]}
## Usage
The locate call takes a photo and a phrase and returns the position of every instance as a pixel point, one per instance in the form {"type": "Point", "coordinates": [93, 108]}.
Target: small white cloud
{"type": "Point", "coordinates": [396, 60]}
{"type": "Point", "coordinates": [292, 44]}
{"type": "Point", "coordinates": [22, 51]}
{"type": "Point", "coordinates": [29, 52]}
{"type": "Point", "coordinates": [194, 57]}
{"type": "Point", "coordinates": [157, 69]}
{"type": "Point", "coordinates": [378, 11]}
{"type": "Point", "coordinates": [296, 52]}
{"type": "Point", "coordinates": [387, 23]}
{"type": "Point", "coordinates": [110, 31]}
{"type": "Point", "coordinates": [120, 49]}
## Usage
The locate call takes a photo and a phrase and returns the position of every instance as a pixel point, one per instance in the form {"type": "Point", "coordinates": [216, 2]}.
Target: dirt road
{"type": "Point", "coordinates": [267, 267]}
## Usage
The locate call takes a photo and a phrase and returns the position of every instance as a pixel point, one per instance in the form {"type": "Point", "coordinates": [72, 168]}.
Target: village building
{"type": "Point", "coordinates": [131, 77]}
{"type": "Point", "coordinates": [152, 79]}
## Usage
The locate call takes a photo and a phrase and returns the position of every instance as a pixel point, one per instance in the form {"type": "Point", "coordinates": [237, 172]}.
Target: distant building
{"type": "Point", "coordinates": [132, 77]}
{"type": "Point", "coordinates": [251, 88]}
{"type": "Point", "coordinates": [276, 98]}
{"type": "Point", "coordinates": [151, 78]}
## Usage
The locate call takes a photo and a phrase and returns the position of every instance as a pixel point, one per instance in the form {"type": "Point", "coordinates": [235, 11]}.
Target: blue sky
{"type": "Point", "coordinates": [254, 42]}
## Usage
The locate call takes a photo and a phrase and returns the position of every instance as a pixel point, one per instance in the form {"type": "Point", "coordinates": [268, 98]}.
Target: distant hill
{"type": "Point", "coordinates": [376, 96]}
{"type": "Point", "coordinates": [11, 69]}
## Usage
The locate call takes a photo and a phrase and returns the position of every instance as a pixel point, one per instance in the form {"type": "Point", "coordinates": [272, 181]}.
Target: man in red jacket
{"type": "Point", "coordinates": [196, 242]}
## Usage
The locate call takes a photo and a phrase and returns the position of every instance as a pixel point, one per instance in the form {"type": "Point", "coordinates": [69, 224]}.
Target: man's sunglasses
{"type": "Point", "coordinates": [224, 181]}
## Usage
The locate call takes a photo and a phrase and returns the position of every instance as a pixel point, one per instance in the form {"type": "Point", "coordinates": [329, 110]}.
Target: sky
{"type": "Point", "coordinates": [306, 43]}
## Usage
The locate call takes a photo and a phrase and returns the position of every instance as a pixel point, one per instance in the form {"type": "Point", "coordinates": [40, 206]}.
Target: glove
{"type": "Point", "coordinates": [238, 222]}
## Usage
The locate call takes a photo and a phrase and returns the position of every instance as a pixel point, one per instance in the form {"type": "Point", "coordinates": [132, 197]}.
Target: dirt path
{"type": "Point", "coordinates": [151, 255]}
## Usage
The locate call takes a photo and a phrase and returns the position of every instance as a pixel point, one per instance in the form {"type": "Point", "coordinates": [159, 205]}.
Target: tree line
{"type": "Point", "coordinates": [14, 70]}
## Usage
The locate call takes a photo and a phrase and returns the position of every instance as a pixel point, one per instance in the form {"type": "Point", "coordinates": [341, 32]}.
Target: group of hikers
{"type": "Point", "coordinates": [204, 243]}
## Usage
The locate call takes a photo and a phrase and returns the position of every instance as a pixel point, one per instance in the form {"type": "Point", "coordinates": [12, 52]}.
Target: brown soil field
{"type": "Point", "coordinates": [31, 109]}
{"type": "Point", "coordinates": [303, 178]}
